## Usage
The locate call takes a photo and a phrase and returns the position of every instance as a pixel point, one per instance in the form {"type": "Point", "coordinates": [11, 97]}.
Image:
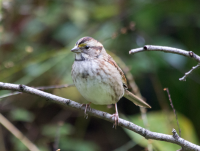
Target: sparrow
{"type": "Point", "coordinates": [98, 77]}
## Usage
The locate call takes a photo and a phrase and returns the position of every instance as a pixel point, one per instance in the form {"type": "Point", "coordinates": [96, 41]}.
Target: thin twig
{"type": "Point", "coordinates": [189, 72]}
{"type": "Point", "coordinates": [17, 133]}
{"type": "Point", "coordinates": [9, 94]}
{"type": "Point", "coordinates": [186, 145]}
{"type": "Point", "coordinates": [39, 88]}
{"type": "Point", "coordinates": [54, 87]}
{"type": "Point", "coordinates": [166, 89]}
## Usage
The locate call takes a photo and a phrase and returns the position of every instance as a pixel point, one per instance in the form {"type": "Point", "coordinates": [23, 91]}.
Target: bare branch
{"type": "Point", "coordinates": [167, 50]}
{"type": "Point", "coordinates": [189, 72]}
{"type": "Point", "coordinates": [170, 50]}
{"type": "Point", "coordinates": [186, 145]}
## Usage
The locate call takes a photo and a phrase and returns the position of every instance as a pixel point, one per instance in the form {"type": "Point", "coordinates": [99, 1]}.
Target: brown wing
{"type": "Point", "coordinates": [136, 100]}
{"type": "Point", "coordinates": [112, 62]}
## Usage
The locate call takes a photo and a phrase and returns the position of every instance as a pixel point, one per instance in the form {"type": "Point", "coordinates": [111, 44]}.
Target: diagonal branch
{"type": "Point", "coordinates": [17, 133]}
{"type": "Point", "coordinates": [186, 145]}
{"type": "Point", "coordinates": [187, 73]}
{"type": "Point", "coordinates": [189, 54]}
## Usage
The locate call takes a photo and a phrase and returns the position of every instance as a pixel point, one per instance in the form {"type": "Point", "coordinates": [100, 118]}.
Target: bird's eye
{"type": "Point", "coordinates": [87, 47]}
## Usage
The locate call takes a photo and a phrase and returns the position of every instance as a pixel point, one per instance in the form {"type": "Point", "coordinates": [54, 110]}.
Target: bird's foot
{"type": "Point", "coordinates": [116, 116]}
{"type": "Point", "coordinates": [86, 106]}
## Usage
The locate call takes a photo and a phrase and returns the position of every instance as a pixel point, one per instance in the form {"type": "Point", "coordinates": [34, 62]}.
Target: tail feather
{"type": "Point", "coordinates": [136, 100]}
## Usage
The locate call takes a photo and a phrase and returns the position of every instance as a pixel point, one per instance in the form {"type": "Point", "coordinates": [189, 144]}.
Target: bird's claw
{"type": "Point", "coordinates": [116, 117]}
{"type": "Point", "coordinates": [85, 112]}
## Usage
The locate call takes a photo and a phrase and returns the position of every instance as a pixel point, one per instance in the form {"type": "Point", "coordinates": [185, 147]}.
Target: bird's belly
{"type": "Point", "coordinates": [101, 88]}
{"type": "Point", "coordinates": [96, 92]}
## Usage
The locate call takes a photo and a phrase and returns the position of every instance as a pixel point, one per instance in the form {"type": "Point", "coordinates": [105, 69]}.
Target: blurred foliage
{"type": "Point", "coordinates": [35, 42]}
{"type": "Point", "coordinates": [21, 115]}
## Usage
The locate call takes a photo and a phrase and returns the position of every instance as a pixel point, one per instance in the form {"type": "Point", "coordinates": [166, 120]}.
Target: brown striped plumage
{"type": "Point", "coordinates": [97, 76]}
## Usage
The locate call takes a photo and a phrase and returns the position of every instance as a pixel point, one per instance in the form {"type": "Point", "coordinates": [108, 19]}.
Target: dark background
{"type": "Point", "coordinates": [35, 42]}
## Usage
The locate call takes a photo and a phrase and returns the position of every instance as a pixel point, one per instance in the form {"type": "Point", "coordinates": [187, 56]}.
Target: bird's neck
{"type": "Point", "coordinates": [79, 57]}
{"type": "Point", "coordinates": [84, 57]}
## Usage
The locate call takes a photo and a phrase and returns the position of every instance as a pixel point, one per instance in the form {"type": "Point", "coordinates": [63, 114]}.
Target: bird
{"type": "Point", "coordinates": [98, 78]}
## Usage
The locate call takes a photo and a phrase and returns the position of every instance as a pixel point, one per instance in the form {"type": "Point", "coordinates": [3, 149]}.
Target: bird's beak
{"type": "Point", "coordinates": [76, 49]}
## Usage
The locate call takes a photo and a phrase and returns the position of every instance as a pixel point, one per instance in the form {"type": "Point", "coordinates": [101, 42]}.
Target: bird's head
{"type": "Point", "coordinates": [88, 47]}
